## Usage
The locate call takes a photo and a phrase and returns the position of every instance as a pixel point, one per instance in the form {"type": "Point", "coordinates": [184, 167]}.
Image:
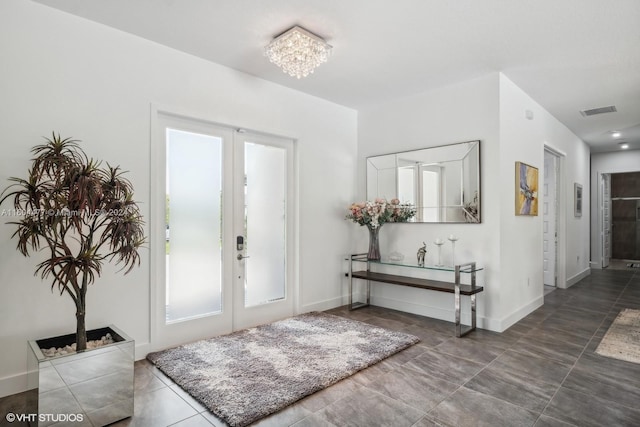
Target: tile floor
{"type": "Point", "coordinates": [543, 371]}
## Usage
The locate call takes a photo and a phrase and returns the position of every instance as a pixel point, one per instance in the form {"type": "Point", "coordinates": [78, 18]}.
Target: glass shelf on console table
{"type": "Point", "coordinates": [454, 287]}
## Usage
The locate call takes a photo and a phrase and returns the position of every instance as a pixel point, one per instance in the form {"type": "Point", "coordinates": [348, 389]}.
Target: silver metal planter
{"type": "Point", "coordinates": [90, 388]}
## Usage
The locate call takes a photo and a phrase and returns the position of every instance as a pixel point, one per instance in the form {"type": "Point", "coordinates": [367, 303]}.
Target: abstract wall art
{"type": "Point", "coordinates": [526, 189]}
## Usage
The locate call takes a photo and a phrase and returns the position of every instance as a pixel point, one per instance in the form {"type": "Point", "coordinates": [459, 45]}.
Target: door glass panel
{"type": "Point", "coordinates": [193, 232]}
{"type": "Point", "coordinates": [265, 223]}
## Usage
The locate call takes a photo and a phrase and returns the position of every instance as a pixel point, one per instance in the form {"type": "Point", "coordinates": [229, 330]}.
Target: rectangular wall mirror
{"type": "Point", "coordinates": [442, 182]}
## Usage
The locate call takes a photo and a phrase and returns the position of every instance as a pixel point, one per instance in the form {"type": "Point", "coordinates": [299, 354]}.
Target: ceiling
{"type": "Point", "coordinates": [568, 55]}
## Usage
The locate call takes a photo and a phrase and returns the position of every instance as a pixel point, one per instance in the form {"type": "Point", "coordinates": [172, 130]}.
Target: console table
{"type": "Point", "coordinates": [454, 287]}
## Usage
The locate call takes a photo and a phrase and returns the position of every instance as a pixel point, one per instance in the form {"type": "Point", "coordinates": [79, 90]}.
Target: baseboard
{"type": "Point", "coordinates": [412, 307]}
{"type": "Point", "coordinates": [519, 314]}
{"type": "Point", "coordinates": [18, 383]}
{"type": "Point", "coordinates": [13, 384]}
{"type": "Point", "coordinates": [490, 324]}
{"type": "Point", "coordinates": [142, 350]}
{"type": "Point", "coordinates": [324, 305]}
{"type": "Point", "coordinates": [409, 307]}
{"type": "Point", "coordinates": [576, 278]}
{"type": "Point", "coordinates": [430, 311]}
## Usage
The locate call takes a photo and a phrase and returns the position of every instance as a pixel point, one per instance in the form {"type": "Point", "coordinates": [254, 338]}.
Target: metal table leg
{"type": "Point", "coordinates": [357, 305]}
{"type": "Point", "coordinates": [460, 332]}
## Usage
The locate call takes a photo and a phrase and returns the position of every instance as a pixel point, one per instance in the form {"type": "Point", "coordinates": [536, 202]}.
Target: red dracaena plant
{"type": "Point", "coordinates": [81, 213]}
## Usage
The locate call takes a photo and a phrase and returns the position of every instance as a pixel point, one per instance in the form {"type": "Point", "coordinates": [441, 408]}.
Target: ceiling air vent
{"type": "Point", "coordinates": [601, 110]}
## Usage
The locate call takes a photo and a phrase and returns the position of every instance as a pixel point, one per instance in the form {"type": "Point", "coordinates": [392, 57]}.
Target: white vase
{"type": "Point", "coordinates": [439, 242]}
{"type": "Point", "coordinates": [453, 240]}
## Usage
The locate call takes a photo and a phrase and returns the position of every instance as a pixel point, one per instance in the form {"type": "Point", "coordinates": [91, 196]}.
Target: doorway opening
{"type": "Point", "coordinates": [624, 224]}
{"type": "Point", "coordinates": [550, 219]}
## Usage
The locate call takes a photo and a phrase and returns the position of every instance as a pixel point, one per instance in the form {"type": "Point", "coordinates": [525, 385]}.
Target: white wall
{"type": "Point", "coordinates": [509, 247]}
{"type": "Point", "coordinates": [463, 112]}
{"type": "Point", "coordinates": [524, 140]}
{"type": "Point", "coordinates": [617, 162]}
{"type": "Point", "coordinates": [66, 74]}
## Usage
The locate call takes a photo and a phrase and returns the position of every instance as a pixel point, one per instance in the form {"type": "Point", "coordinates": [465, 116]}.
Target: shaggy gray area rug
{"type": "Point", "coordinates": [622, 340]}
{"type": "Point", "coordinates": [249, 374]}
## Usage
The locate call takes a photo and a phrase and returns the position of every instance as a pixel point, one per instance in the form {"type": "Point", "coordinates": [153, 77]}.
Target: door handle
{"type": "Point", "coordinates": [241, 257]}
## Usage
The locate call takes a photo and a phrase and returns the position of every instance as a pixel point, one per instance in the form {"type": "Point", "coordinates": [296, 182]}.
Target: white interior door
{"type": "Point", "coordinates": [222, 230]}
{"type": "Point", "coordinates": [549, 235]}
{"type": "Point", "coordinates": [264, 229]}
{"type": "Point", "coordinates": [606, 219]}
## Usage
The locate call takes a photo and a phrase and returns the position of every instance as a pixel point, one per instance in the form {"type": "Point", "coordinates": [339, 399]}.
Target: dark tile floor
{"type": "Point", "coordinates": [543, 371]}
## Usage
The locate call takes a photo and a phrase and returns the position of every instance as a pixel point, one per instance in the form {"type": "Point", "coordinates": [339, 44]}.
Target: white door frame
{"type": "Point", "coordinates": [564, 196]}
{"type": "Point", "coordinates": [550, 216]}
{"type": "Point", "coordinates": [604, 201]}
{"type": "Point", "coordinates": [181, 332]}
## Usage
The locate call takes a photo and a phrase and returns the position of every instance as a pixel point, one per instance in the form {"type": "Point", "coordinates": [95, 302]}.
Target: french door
{"type": "Point", "coordinates": [264, 191]}
{"type": "Point", "coordinates": [223, 247]}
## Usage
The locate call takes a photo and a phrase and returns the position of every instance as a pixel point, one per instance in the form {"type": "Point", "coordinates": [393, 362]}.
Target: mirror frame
{"type": "Point", "coordinates": [468, 201]}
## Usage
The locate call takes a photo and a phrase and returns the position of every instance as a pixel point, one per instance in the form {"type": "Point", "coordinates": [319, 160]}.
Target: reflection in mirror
{"type": "Point", "coordinates": [442, 182]}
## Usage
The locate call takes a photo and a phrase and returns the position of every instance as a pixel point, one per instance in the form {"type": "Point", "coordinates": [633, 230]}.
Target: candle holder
{"type": "Point", "coordinates": [453, 240]}
{"type": "Point", "coordinates": [439, 242]}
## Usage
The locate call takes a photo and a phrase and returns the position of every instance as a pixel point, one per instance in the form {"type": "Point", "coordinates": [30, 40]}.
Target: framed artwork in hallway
{"type": "Point", "coordinates": [526, 189]}
{"type": "Point", "coordinates": [577, 199]}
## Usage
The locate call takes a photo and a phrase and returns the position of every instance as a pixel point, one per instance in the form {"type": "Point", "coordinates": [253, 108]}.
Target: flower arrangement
{"type": "Point", "coordinates": [380, 211]}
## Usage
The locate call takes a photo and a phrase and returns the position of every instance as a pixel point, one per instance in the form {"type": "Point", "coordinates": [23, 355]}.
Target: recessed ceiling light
{"type": "Point", "coordinates": [624, 145]}
{"type": "Point", "coordinates": [615, 134]}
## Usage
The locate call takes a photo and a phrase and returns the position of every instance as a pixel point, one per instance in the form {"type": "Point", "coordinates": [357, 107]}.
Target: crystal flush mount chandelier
{"type": "Point", "coordinates": [297, 51]}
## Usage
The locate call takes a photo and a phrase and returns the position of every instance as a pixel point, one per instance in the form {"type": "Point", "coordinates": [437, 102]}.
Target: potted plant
{"type": "Point", "coordinates": [82, 215]}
